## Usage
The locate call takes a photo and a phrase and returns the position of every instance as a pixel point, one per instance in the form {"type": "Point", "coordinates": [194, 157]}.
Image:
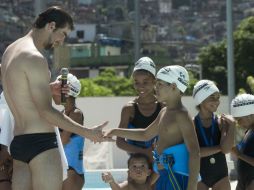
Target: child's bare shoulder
{"type": "Point", "coordinates": [129, 106]}
{"type": "Point", "coordinates": [182, 114]}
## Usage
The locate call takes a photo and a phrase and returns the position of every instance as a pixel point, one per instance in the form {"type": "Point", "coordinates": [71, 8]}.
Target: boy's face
{"type": "Point", "coordinates": [162, 90]}
{"type": "Point", "coordinates": [138, 169]}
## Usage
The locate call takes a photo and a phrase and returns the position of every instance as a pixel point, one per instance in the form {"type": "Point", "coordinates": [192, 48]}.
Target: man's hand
{"type": "Point", "coordinates": [56, 90]}
{"type": "Point", "coordinates": [4, 155]}
{"type": "Point", "coordinates": [96, 133]}
{"type": "Point", "coordinates": [5, 162]}
{"type": "Point", "coordinates": [108, 133]}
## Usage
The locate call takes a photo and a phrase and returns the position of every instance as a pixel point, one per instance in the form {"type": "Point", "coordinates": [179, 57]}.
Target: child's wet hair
{"type": "Point", "coordinates": [145, 72]}
{"type": "Point", "coordinates": [139, 156]}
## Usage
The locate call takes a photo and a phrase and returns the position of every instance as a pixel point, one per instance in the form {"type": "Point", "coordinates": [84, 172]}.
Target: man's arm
{"type": "Point", "coordinates": [190, 138]}
{"type": "Point", "coordinates": [136, 134]}
{"type": "Point", "coordinates": [38, 79]}
{"type": "Point", "coordinates": [76, 116]}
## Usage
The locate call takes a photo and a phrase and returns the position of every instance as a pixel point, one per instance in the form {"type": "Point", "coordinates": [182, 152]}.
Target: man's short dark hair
{"type": "Point", "coordinates": [138, 156]}
{"type": "Point", "coordinates": [54, 14]}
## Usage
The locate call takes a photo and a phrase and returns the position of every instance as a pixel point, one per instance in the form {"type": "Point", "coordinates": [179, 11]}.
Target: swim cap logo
{"type": "Point", "coordinates": [205, 86]}
{"type": "Point", "coordinates": [152, 64]}
{"type": "Point", "coordinates": [139, 64]}
{"type": "Point", "coordinates": [182, 75]}
{"type": "Point", "coordinates": [182, 80]}
{"type": "Point", "coordinates": [243, 103]}
{"type": "Point", "coordinates": [74, 89]}
{"type": "Point", "coordinates": [165, 71]}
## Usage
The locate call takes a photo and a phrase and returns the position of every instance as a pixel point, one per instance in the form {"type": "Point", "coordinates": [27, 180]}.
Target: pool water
{"type": "Point", "coordinates": [93, 179]}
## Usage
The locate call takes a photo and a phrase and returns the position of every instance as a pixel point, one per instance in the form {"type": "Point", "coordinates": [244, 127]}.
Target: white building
{"type": "Point", "coordinates": [84, 32]}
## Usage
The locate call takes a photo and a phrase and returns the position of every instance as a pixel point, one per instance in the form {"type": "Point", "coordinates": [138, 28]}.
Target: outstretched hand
{"type": "Point", "coordinates": [97, 135]}
{"type": "Point", "coordinates": [107, 177]}
{"type": "Point", "coordinates": [108, 133]}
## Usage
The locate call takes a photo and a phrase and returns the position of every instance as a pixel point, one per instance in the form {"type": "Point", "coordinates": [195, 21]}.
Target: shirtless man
{"type": "Point", "coordinates": [174, 127]}
{"type": "Point", "coordinates": [25, 75]}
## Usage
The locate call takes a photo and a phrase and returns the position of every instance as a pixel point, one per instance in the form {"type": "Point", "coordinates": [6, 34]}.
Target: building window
{"type": "Point", "coordinates": [81, 34]}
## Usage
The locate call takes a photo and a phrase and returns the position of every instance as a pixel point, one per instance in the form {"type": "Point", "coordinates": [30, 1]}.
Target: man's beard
{"type": "Point", "coordinates": [49, 45]}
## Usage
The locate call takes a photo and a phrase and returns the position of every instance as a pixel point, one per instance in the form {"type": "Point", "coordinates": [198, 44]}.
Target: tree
{"type": "Point", "coordinates": [107, 84]}
{"type": "Point", "coordinates": [250, 83]}
{"type": "Point", "coordinates": [89, 88]}
{"type": "Point", "coordinates": [244, 52]}
{"type": "Point", "coordinates": [192, 82]}
{"type": "Point", "coordinates": [214, 62]}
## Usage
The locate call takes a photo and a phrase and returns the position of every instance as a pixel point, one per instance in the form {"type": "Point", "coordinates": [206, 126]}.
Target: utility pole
{"type": "Point", "coordinates": [137, 31]}
{"type": "Point", "coordinates": [230, 54]}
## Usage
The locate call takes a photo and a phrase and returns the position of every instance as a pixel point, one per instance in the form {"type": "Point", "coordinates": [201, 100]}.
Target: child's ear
{"type": "Point", "coordinates": [173, 86]}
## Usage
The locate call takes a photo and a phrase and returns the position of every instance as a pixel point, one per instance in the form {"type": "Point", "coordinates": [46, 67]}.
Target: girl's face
{"type": "Point", "coordinates": [143, 83]}
{"type": "Point", "coordinates": [211, 103]}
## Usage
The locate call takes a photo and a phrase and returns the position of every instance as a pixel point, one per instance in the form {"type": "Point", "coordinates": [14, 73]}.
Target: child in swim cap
{"type": "Point", "coordinates": [215, 136]}
{"type": "Point", "coordinates": [242, 109]}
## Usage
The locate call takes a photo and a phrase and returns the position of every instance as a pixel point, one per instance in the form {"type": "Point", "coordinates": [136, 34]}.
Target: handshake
{"type": "Point", "coordinates": [97, 134]}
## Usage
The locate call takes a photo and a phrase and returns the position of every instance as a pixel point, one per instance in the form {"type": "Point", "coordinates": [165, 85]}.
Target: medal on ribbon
{"type": "Point", "coordinates": [208, 141]}
{"type": "Point", "coordinates": [212, 160]}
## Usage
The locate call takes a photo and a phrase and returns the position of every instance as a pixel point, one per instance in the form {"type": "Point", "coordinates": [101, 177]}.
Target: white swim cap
{"type": "Point", "coordinates": [202, 90]}
{"type": "Point", "coordinates": [145, 63]}
{"type": "Point", "coordinates": [242, 105]}
{"type": "Point", "coordinates": [174, 74]}
{"type": "Point", "coordinates": [74, 83]}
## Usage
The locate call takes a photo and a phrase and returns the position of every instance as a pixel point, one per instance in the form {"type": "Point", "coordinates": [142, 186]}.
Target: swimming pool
{"type": "Point", "coordinates": [93, 179]}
